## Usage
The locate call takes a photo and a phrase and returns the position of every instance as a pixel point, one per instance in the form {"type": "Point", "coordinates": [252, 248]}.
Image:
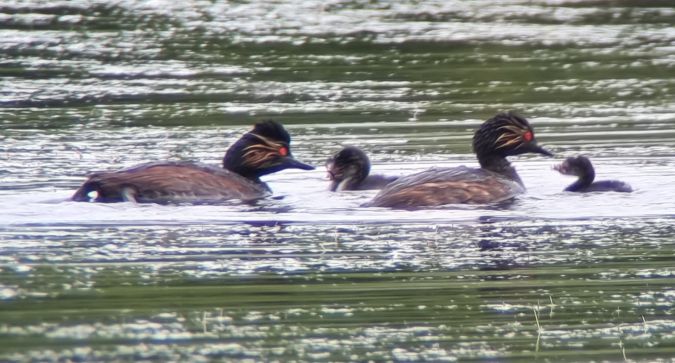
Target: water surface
{"type": "Point", "coordinates": [311, 275]}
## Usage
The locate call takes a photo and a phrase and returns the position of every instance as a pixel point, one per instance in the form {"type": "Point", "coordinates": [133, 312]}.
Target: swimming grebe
{"type": "Point", "coordinates": [496, 180]}
{"type": "Point", "coordinates": [261, 151]}
{"type": "Point", "coordinates": [581, 167]}
{"type": "Point", "coordinates": [348, 169]}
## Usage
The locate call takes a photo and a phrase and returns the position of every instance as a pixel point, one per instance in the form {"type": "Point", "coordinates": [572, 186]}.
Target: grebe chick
{"type": "Point", "coordinates": [503, 135]}
{"type": "Point", "coordinates": [581, 167]}
{"type": "Point", "coordinates": [261, 151]}
{"type": "Point", "coordinates": [349, 169]}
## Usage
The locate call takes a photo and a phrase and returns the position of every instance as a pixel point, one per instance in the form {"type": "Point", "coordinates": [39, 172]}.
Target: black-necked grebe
{"type": "Point", "coordinates": [349, 169]}
{"type": "Point", "coordinates": [581, 167]}
{"type": "Point", "coordinates": [263, 150]}
{"type": "Point", "coordinates": [496, 180]}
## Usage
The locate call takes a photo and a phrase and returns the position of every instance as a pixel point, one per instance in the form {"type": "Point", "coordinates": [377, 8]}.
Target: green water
{"type": "Point", "coordinates": [516, 314]}
{"type": "Point", "coordinates": [312, 275]}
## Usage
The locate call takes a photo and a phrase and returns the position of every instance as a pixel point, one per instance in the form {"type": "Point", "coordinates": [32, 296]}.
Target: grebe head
{"type": "Point", "coordinates": [504, 135]}
{"type": "Point", "coordinates": [579, 166]}
{"type": "Point", "coordinates": [261, 151]}
{"type": "Point", "coordinates": [347, 168]}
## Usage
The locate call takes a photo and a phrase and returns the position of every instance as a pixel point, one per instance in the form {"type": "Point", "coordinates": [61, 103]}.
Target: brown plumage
{"type": "Point", "coordinates": [440, 186]}
{"type": "Point", "coordinates": [171, 182]}
{"type": "Point", "coordinates": [264, 150]}
{"type": "Point", "coordinates": [503, 135]}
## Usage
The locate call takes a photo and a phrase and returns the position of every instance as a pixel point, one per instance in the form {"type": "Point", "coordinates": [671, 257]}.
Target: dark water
{"type": "Point", "coordinates": [311, 276]}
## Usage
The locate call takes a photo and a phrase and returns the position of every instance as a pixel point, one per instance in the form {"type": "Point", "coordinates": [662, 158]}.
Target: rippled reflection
{"type": "Point", "coordinates": [311, 275]}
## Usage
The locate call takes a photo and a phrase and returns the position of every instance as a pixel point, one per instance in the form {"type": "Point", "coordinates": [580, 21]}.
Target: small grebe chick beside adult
{"type": "Point", "coordinates": [503, 135]}
{"type": "Point", "coordinates": [581, 167]}
{"type": "Point", "coordinates": [349, 169]}
{"type": "Point", "coordinates": [261, 151]}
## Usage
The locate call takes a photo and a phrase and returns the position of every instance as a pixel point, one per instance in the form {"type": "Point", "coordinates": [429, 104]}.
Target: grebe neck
{"type": "Point", "coordinates": [499, 165]}
{"type": "Point", "coordinates": [584, 181]}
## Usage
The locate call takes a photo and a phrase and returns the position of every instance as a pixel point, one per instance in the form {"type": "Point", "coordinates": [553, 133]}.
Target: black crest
{"type": "Point", "coordinates": [263, 150]}
{"type": "Point", "coordinates": [271, 129]}
{"type": "Point", "coordinates": [505, 134]}
{"type": "Point", "coordinates": [501, 133]}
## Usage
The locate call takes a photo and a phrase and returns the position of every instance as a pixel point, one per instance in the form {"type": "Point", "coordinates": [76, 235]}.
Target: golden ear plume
{"type": "Point", "coordinates": [511, 135]}
{"type": "Point", "coordinates": [257, 154]}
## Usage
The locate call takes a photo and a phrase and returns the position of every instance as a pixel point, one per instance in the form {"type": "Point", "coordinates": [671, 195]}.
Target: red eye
{"type": "Point", "coordinates": [528, 136]}
{"type": "Point", "coordinates": [283, 151]}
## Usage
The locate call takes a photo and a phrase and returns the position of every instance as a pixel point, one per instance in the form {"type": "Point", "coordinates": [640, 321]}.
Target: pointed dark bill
{"type": "Point", "coordinates": [291, 162]}
{"type": "Point", "coordinates": [540, 150]}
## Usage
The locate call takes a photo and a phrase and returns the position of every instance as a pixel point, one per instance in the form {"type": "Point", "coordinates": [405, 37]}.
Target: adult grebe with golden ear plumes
{"type": "Point", "coordinates": [349, 169]}
{"type": "Point", "coordinates": [503, 135]}
{"type": "Point", "coordinates": [261, 151]}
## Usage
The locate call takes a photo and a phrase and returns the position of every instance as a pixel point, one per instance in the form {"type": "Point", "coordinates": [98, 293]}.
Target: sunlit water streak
{"type": "Point", "coordinates": [311, 275]}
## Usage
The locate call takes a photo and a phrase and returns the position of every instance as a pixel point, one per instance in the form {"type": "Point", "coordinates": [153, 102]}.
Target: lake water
{"type": "Point", "coordinates": [310, 275]}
